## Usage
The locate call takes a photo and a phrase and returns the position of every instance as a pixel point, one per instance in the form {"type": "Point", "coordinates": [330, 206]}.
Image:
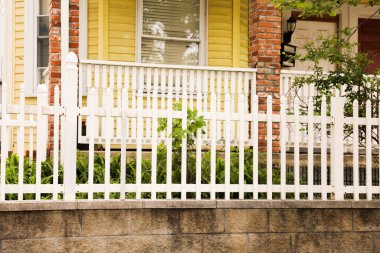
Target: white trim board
{"type": "Point", "coordinates": [30, 48]}
{"type": "Point", "coordinates": [83, 29]}
{"type": "Point", "coordinates": [2, 39]}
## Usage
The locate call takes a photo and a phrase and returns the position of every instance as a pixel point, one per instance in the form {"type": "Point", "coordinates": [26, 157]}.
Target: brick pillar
{"type": "Point", "coordinates": [264, 55]}
{"type": "Point", "coordinates": [55, 48]}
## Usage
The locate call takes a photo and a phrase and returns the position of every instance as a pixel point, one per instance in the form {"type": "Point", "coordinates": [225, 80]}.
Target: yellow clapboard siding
{"type": "Point", "coordinates": [92, 46]}
{"type": "Point", "coordinates": [220, 32]}
{"type": "Point", "coordinates": [244, 44]}
{"type": "Point", "coordinates": [121, 26]}
{"type": "Point", "coordinates": [120, 42]}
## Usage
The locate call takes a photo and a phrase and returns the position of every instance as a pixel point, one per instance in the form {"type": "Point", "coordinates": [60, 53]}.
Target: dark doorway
{"type": "Point", "coordinates": [369, 42]}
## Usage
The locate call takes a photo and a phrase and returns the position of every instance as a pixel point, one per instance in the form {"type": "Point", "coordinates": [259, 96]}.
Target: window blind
{"type": "Point", "coordinates": [170, 32]}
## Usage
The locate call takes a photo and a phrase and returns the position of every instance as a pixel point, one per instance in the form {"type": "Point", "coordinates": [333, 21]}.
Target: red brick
{"type": "Point", "coordinates": [264, 54]}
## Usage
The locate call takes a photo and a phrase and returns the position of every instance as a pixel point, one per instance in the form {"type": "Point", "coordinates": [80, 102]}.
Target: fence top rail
{"type": "Point", "coordinates": [166, 66]}
{"type": "Point", "coordinates": [308, 72]}
{"type": "Point", "coordinates": [296, 72]}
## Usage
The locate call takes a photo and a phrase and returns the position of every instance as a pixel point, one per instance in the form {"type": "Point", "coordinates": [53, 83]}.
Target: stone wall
{"type": "Point", "coordinates": [212, 226]}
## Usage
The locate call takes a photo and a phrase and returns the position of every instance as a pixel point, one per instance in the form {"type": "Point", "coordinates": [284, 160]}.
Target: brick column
{"type": "Point", "coordinates": [264, 55]}
{"type": "Point", "coordinates": [55, 48]}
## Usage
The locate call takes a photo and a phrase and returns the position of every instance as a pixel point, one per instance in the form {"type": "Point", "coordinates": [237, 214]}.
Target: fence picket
{"type": "Point", "coordinates": [269, 147]}
{"type": "Point", "coordinates": [283, 138]}
{"type": "Point", "coordinates": [123, 152]}
{"type": "Point", "coordinates": [169, 141]}
{"type": "Point", "coordinates": [324, 148]}
{"type": "Point", "coordinates": [91, 135]}
{"type": "Point", "coordinates": [296, 149]}
{"type": "Point", "coordinates": [154, 142]}
{"type": "Point", "coordinates": [107, 136]}
{"type": "Point", "coordinates": [368, 141]}
{"type": "Point", "coordinates": [337, 147]}
{"type": "Point", "coordinates": [92, 97]}
{"type": "Point", "coordinates": [139, 142]}
{"type": "Point", "coordinates": [42, 100]}
{"type": "Point", "coordinates": [213, 146]}
{"type": "Point", "coordinates": [56, 142]}
{"type": "Point", "coordinates": [198, 172]}
{"type": "Point", "coordinates": [241, 145]}
{"type": "Point", "coordinates": [356, 149]}
{"type": "Point", "coordinates": [31, 139]}
{"type": "Point", "coordinates": [227, 153]}
{"type": "Point", "coordinates": [310, 149]}
{"type": "Point", "coordinates": [255, 138]}
{"type": "Point", "coordinates": [21, 145]}
{"type": "Point", "coordinates": [184, 139]}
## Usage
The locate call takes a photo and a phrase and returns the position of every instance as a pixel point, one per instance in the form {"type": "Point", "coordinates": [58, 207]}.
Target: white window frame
{"type": "Point", "coordinates": [83, 28]}
{"type": "Point", "coordinates": [2, 37]}
{"type": "Point", "coordinates": [202, 31]}
{"type": "Point", "coordinates": [30, 47]}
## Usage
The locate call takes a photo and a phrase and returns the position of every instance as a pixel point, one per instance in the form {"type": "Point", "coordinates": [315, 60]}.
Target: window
{"type": "Point", "coordinates": [36, 43]}
{"type": "Point", "coordinates": [42, 38]}
{"type": "Point", "coordinates": [171, 32]}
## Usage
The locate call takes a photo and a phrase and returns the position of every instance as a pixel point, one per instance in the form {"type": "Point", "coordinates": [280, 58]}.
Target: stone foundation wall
{"type": "Point", "coordinates": [212, 226]}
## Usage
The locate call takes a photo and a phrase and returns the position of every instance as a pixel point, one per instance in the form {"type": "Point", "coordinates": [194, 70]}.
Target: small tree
{"type": "Point", "coordinates": [319, 7]}
{"type": "Point", "coordinates": [349, 76]}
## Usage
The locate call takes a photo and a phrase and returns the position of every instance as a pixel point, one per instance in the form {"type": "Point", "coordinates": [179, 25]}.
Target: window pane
{"type": "Point", "coordinates": [170, 52]}
{"type": "Point", "coordinates": [43, 26]}
{"type": "Point", "coordinates": [174, 18]}
{"type": "Point", "coordinates": [44, 7]}
{"type": "Point", "coordinates": [43, 53]}
{"type": "Point", "coordinates": [40, 75]}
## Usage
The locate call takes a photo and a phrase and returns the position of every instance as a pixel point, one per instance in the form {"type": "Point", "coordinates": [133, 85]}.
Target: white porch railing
{"type": "Point", "coordinates": [170, 82]}
{"type": "Point", "coordinates": [233, 168]}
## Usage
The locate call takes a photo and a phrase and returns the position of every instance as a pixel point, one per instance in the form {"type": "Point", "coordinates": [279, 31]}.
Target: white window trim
{"type": "Point", "coordinates": [30, 48]}
{"type": "Point", "coordinates": [202, 31]}
{"type": "Point", "coordinates": [83, 29]}
{"type": "Point", "coordinates": [2, 36]}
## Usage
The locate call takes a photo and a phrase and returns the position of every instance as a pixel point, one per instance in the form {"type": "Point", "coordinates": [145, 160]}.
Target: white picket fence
{"type": "Point", "coordinates": [111, 123]}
